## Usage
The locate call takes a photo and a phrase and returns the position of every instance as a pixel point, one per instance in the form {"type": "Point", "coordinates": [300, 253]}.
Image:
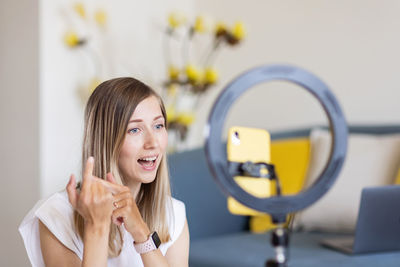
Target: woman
{"type": "Point", "coordinates": [123, 209]}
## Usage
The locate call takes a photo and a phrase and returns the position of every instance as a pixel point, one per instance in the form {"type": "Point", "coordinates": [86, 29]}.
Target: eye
{"type": "Point", "coordinates": [133, 130]}
{"type": "Point", "coordinates": [160, 126]}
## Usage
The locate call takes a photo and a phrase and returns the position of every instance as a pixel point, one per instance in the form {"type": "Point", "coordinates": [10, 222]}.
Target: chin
{"type": "Point", "coordinates": [147, 179]}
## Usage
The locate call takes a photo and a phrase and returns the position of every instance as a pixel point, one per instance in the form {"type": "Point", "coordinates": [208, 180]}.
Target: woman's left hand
{"type": "Point", "coordinates": [127, 212]}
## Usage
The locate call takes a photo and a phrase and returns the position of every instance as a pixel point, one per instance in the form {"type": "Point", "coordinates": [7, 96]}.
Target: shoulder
{"type": "Point", "coordinates": [176, 216]}
{"type": "Point", "coordinates": [179, 214]}
{"type": "Point", "coordinates": [178, 207]}
{"type": "Point", "coordinates": [180, 217]}
{"type": "Point", "coordinates": [53, 209]}
{"type": "Point", "coordinates": [57, 214]}
{"type": "Point", "coordinates": [57, 205]}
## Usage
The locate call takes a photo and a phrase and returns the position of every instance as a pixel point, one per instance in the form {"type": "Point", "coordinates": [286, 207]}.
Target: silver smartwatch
{"type": "Point", "coordinates": [152, 243]}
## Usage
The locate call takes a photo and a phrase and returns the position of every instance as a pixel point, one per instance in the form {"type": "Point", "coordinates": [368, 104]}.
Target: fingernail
{"type": "Point", "coordinates": [91, 159]}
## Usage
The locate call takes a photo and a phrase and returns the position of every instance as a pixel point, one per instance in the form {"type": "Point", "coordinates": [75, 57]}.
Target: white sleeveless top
{"type": "Point", "coordinates": [57, 214]}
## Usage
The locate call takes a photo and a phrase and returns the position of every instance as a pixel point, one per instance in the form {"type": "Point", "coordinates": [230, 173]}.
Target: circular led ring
{"type": "Point", "coordinates": [216, 154]}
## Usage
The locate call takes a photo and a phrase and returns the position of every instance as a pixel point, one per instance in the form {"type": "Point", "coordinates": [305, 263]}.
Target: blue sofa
{"type": "Point", "coordinates": [221, 239]}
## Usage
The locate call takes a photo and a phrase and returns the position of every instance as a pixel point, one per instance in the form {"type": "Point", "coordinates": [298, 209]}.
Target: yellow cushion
{"type": "Point", "coordinates": [397, 180]}
{"type": "Point", "coordinates": [291, 158]}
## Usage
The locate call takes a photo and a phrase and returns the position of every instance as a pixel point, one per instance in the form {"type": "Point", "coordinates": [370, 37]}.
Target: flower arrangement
{"type": "Point", "coordinates": [76, 39]}
{"type": "Point", "coordinates": [187, 82]}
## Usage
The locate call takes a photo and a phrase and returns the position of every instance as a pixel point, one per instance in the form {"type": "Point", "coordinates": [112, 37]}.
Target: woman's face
{"type": "Point", "coordinates": [145, 143]}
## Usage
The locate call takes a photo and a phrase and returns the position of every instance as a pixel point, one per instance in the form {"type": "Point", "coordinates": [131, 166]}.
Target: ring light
{"type": "Point", "coordinates": [216, 156]}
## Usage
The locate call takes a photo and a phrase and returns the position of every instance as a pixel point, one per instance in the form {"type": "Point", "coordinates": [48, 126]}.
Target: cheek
{"type": "Point", "coordinates": [129, 149]}
{"type": "Point", "coordinates": [163, 140]}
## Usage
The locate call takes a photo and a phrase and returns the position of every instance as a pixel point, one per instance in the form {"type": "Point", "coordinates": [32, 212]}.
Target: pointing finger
{"type": "Point", "coordinates": [88, 170]}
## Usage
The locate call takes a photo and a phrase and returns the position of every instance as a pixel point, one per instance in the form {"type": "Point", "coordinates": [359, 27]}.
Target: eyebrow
{"type": "Point", "coordinates": [140, 120]}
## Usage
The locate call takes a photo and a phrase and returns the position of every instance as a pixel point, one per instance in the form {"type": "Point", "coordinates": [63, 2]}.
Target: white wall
{"type": "Point", "coordinates": [351, 45]}
{"type": "Point", "coordinates": [19, 120]}
{"type": "Point", "coordinates": [130, 46]}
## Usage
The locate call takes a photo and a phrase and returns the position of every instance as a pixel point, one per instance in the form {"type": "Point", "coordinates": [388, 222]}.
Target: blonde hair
{"type": "Point", "coordinates": [107, 114]}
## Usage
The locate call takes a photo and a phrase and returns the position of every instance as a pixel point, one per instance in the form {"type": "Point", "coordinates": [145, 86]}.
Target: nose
{"type": "Point", "coordinates": [151, 141]}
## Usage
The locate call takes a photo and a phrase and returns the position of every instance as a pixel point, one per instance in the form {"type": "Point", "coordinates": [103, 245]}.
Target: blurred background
{"type": "Point", "coordinates": [52, 52]}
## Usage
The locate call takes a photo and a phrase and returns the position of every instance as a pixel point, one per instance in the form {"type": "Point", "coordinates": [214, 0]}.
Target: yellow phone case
{"type": "Point", "coordinates": [249, 144]}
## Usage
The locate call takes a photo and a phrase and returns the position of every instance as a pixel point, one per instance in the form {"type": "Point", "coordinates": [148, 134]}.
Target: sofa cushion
{"type": "Point", "coordinates": [371, 160]}
{"type": "Point", "coordinates": [206, 210]}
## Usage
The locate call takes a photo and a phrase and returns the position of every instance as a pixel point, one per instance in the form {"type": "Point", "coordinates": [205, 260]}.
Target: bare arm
{"type": "Point", "coordinates": [95, 248]}
{"type": "Point", "coordinates": [53, 250]}
{"type": "Point", "coordinates": [178, 254]}
{"type": "Point", "coordinates": [126, 208]}
{"type": "Point", "coordinates": [95, 251]}
{"type": "Point", "coordinates": [135, 225]}
{"type": "Point", "coordinates": [94, 203]}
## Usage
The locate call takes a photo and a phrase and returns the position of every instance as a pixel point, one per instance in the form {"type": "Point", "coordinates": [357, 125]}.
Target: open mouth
{"type": "Point", "coordinates": [148, 162]}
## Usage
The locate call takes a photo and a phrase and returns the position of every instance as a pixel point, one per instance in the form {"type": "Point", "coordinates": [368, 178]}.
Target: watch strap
{"type": "Point", "coordinates": [152, 243]}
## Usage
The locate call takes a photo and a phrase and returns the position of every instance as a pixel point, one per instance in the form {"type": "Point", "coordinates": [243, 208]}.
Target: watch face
{"type": "Point", "coordinates": [156, 239]}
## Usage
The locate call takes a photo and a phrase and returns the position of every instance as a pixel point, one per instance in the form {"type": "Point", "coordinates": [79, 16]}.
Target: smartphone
{"type": "Point", "coordinates": [249, 144]}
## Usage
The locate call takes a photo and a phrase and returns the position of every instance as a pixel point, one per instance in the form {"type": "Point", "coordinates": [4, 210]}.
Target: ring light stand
{"type": "Point", "coordinates": [278, 206]}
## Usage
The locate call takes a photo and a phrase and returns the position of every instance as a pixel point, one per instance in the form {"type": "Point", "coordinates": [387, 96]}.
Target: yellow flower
{"type": "Point", "coordinates": [80, 9]}
{"type": "Point", "coordinates": [176, 19]}
{"type": "Point", "coordinates": [186, 118]}
{"type": "Point", "coordinates": [101, 17]}
{"type": "Point", "coordinates": [211, 75]}
{"type": "Point", "coordinates": [71, 39]}
{"type": "Point", "coordinates": [199, 25]}
{"type": "Point", "coordinates": [238, 30]}
{"type": "Point", "coordinates": [171, 114]}
{"type": "Point", "coordinates": [220, 28]}
{"type": "Point", "coordinates": [172, 89]}
{"type": "Point", "coordinates": [193, 74]}
{"type": "Point", "coordinates": [173, 73]}
{"type": "Point", "coordinates": [94, 82]}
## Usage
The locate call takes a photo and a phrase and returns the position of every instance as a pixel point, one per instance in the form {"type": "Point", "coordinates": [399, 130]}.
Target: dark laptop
{"type": "Point", "coordinates": [378, 223]}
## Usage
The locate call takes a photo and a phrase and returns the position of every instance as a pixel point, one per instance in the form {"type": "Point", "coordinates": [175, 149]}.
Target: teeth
{"type": "Point", "coordinates": [149, 159]}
